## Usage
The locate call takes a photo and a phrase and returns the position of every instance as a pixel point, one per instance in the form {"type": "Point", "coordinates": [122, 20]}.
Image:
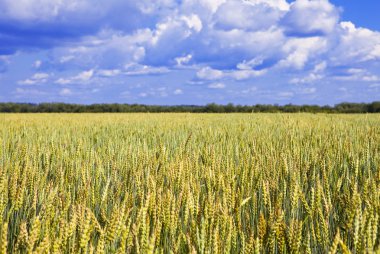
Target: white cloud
{"type": "Point", "coordinates": [178, 92]}
{"type": "Point", "coordinates": [196, 82]}
{"type": "Point", "coordinates": [216, 86]}
{"type": "Point", "coordinates": [218, 41]}
{"type": "Point", "coordinates": [283, 5]}
{"type": "Point", "coordinates": [85, 75]}
{"type": "Point", "coordinates": [39, 9]}
{"type": "Point", "coordinates": [109, 73]}
{"type": "Point", "coordinates": [355, 45]}
{"type": "Point", "coordinates": [65, 59]}
{"type": "Point", "coordinates": [320, 67]}
{"type": "Point", "coordinates": [208, 73]}
{"type": "Point", "coordinates": [249, 65]}
{"type": "Point", "coordinates": [183, 60]}
{"type": "Point", "coordinates": [231, 47]}
{"type": "Point", "coordinates": [4, 58]}
{"type": "Point", "coordinates": [126, 94]}
{"type": "Point", "coordinates": [137, 69]}
{"type": "Point", "coordinates": [357, 74]}
{"type": "Point", "coordinates": [237, 39]}
{"type": "Point", "coordinates": [244, 74]}
{"type": "Point", "coordinates": [193, 22]}
{"type": "Point", "coordinates": [310, 17]}
{"type": "Point", "coordinates": [108, 49]}
{"type": "Point", "coordinates": [63, 81]}
{"type": "Point", "coordinates": [129, 70]}
{"type": "Point", "coordinates": [317, 74]}
{"type": "Point", "coordinates": [371, 78]}
{"type": "Point", "coordinates": [40, 76]}
{"type": "Point", "coordinates": [285, 94]}
{"type": "Point", "coordinates": [208, 6]}
{"type": "Point", "coordinates": [65, 92]}
{"type": "Point", "coordinates": [81, 78]}
{"type": "Point", "coordinates": [152, 6]}
{"type": "Point", "coordinates": [298, 51]}
{"type": "Point", "coordinates": [247, 15]}
{"type": "Point", "coordinates": [343, 89]}
{"type": "Point", "coordinates": [311, 78]}
{"type": "Point", "coordinates": [250, 90]}
{"type": "Point", "coordinates": [37, 64]}
{"type": "Point", "coordinates": [172, 37]}
{"type": "Point", "coordinates": [155, 92]}
{"type": "Point", "coordinates": [37, 78]}
{"type": "Point", "coordinates": [308, 90]}
{"type": "Point", "coordinates": [27, 82]}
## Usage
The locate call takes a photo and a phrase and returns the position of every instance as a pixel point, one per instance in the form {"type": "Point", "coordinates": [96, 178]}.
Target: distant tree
{"type": "Point", "coordinates": [229, 108]}
{"type": "Point", "coordinates": [373, 107]}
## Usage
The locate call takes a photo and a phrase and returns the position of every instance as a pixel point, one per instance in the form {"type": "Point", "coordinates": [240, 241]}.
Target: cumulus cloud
{"type": "Point", "coordinates": [81, 78]}
{"type": "Point", "coordinates": [45, 24]}
{"type": "Point", "coordinates": [94, 75]}
{"type": "Point", "coordinates": [65, 92]}
{"type": "Point", "coordinates": [315, 75]}
{"type": "Point", "coordinates": [247, 15]}
{"type": "Point", "coordinates": [225, 34]}
{"type": "Point", "coordinates": [221, 34]}
{"type": "Point", "coordinates": [311, 18]}
{"type": "Point", "coordinates": [208, 73]}
{"type": "Point", "coordinates": [37, 78]}
{"type": "Point", "coordinates": [84, 76]}
{"type": "Point", "coordinates": [109, 73]}
{"type": "Point", "coordinates": [138, 70]}
{"type": "Point", "coordinates": [356, 74]}
{"type": "Point", "coordinates": [108, 49]}
{"type": "Point", "coordinates": [178, 92]}
{"type": "Point", "coordinates": [299, 51]}
{"type": "Point", "coordinates": [216, 86]}
{"type": "Point", "coordinates": [178, 31]}
{"type": "Point", "coordinates": [41, 10]}
{"type": "Point", "coordinates": [218, 41]}
{"type": "Point", "coordinates": [356, 45]}
{"type": "Point", "coordinates": [184, 60]}
{"type": "Point", "coordinates": [37, 64]}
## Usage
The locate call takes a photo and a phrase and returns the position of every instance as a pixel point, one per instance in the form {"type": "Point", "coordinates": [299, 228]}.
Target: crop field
{"type": "Point", "coordinates": [189, 183]}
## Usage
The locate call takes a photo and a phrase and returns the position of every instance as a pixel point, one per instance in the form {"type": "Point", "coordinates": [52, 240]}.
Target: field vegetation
{"type": "Point", "coordinates": [189, 183]}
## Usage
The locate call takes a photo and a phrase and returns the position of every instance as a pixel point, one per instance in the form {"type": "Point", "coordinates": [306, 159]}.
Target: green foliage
{"type": "Point", "coordinates": [209, 108]}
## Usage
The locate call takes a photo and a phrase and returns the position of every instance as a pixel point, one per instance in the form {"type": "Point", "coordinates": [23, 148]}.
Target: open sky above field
{"type": "Point", "coordinates": [190, 51]}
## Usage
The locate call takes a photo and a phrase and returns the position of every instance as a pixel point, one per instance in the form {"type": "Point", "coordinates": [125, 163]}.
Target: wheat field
{"type": "Point", "coordinates": [189, 183]}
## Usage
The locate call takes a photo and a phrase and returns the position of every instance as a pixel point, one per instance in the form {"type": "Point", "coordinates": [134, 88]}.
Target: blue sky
{"type": "Point", "coordinates": [190, 51]}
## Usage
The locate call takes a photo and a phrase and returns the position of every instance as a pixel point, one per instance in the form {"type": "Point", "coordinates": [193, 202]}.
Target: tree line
{"type": "Point", "coordinates": [373, 107]}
